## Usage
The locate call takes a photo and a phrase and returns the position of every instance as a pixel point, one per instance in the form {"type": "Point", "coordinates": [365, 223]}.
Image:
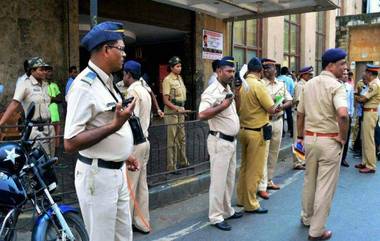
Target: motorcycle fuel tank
{"type": "Point", "coordinates": [11, 191]}
{"type": "Point", "coordinates": [12, 157]}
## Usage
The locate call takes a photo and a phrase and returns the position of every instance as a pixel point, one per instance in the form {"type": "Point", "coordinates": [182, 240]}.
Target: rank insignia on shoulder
{"type": "Point", "coordinates": [89, 78]}
{"type": "Point", "coordinates": [370, 89]}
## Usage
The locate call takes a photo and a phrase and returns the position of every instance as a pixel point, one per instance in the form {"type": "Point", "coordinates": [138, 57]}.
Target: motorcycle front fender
{"type": "Point", "coordinates": [41, 224]}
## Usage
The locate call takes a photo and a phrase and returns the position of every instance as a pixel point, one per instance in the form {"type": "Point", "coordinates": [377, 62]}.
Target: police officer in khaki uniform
{"type": "Point", "coordinates": [97, 126]}
{"type": "Point", "coordinates": [305, 74]}
{"type": "Point", "coordinates": [138, 182]}
{"type": "Point", "coordinates": [322, 127]}
{"type": "Point", "coordinates": [218, 107]}
{"type": "Point", "coordinates": [280, 96]}
{"type": "Point", "coordinates": [255, 105]}
{"type": "Point", "coordinates": [35, 89]}
{"type": "Point", "coordinates": [371, 101]}
{"type": "Point", "coordinates": [174, 96]}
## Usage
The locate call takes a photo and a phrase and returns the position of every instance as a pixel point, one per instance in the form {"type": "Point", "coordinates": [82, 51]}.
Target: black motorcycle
{"type": "Point", "coordinates": [27, 174]}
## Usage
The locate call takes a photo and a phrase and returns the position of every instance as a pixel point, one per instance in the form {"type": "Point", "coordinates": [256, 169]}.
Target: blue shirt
{"type": "Point", "coordinates": [68, 85]}
{"type": "Point", "coordinates": [288, 82]}
{"type": "Point", "coordinates": [350, 99]}
{"type": "Point", "coordinates": [359, 107]}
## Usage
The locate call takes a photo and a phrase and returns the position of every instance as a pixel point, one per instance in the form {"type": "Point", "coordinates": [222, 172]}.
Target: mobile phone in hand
{"type": "Point", "coordinates": [229, 95]}
{"type": "Point", "coordinates": [127, 101]}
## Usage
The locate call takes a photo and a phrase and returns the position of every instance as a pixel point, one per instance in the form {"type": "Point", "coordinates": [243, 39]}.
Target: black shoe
{"type": "Point", "coordinates": [304, 224]}
{"type": "Point", "coordinates": [236, 215]}
{"type": "Point", "coordinates": [260, 210]}
{"type": "Point", "coordinates": [344, 163]}
{"type": "Point", "coordinates": [223, 226]}
{"type": "Point", "coordinates": [135, 229]}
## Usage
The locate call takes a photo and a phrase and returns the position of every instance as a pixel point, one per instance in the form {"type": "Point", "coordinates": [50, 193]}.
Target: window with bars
{"type": "Point", "coordinates": [292, 29]}
{"type": "Point", "coordinates": [320, 40]}
{"type": "Point", "coordinates": [247, 40]}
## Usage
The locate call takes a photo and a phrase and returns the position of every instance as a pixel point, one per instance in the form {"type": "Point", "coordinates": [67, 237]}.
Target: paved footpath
{"type": "Point", "coordinates": [355, 214]}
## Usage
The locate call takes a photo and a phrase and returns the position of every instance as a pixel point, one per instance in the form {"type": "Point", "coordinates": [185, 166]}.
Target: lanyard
{"type": "Point", "coordinates": [114, 86]}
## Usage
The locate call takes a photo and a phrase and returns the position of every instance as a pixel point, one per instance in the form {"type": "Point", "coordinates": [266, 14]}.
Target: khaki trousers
{"type": "Point", "coordinates": [104, 202]}
{"type": "Point", "coordinates": [273, 150]}
{"type": "Point", "coordinates": [251, 168]}
{"type": "Point", "coordinates": [296, 162]}
{"type": "Point", "coordinates": [48, 141]}
{"type": "Point", "coordinates": [139, 187]}
{"type": "Point", "coordinates": [323, 157]}
{"type": "Point", "coordinates": [222, 170]}
{"type": "Point", "coordinates": [368, 139]}
{"type": "Point", "coordinates": [176, 139]}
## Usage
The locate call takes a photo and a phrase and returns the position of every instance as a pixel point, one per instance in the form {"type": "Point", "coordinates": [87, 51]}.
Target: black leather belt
{"type": "Point", "coordinates": [222, 136]}
{"type": "Point", "coordinates": [40, 121]}
{"type": "Point", "coordinates": [251, 129]}
{"type": "Point", "coordinates": [101, 163]}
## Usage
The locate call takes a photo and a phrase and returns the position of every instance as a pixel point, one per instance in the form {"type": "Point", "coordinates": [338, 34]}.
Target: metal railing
{"type": "Point", "coordinates": [196, 152]}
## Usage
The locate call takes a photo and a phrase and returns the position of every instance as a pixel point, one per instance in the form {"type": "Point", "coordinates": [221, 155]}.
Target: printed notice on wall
{"type": "Point", "coordinates": [212, 45]}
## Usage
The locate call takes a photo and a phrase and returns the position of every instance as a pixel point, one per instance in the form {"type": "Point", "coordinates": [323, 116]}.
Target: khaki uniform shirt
{"type": "Point", "coordinates": [278, 88]}
{"type": "Point", "coordinates": [174, 87]}
{"type": "Point", "coordinates": [143, 104]}
{"type": "Point", "coordinates": [226, 121]}
{"type": "Point", "coordinates": [298, 90]}
{"type": "Point", "coordinates": [373, 94]}
{"type": "Point", "coordinates": [88, 107]}
{"type": "Point", "coordinates": [322, 96]}
{"type": "Point", "coordinates": [253, 103]}
{"type": "Point", "coordinates": [30, 90]}
{"type": "Point", "coordinates": [359, 86]}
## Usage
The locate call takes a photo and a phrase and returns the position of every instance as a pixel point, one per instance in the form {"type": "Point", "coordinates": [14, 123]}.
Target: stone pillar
{"type": "Point", "coordinates": [273, 38]}
{"type": "Point", "coordinates": [308, 39]}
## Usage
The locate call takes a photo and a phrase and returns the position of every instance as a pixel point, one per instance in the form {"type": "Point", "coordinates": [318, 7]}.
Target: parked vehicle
{"type": "Point", "coordinates": [27, 174]}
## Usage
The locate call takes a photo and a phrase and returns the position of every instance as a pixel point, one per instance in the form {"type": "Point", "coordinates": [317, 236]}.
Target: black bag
{"type": "Point", "coordinates": [267, 132]}
{"type": "Point", "coordinates": [138, 134]}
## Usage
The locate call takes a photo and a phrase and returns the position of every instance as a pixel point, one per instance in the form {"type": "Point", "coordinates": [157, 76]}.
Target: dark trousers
{"type": "Point", "coordinates": [348, 140]}
{"type": "Point", "coordinates": [289, 120]}
{"type": "Point", "coordinates": [357, 147]}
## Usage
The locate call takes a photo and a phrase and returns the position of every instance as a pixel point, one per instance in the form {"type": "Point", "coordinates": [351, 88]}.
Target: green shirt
{"type": "Point", "coordinates": [53, 91]}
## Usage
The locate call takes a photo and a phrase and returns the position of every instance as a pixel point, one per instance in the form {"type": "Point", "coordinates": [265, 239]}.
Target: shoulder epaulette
{"type": "Point", "coordinates": [89, 78]}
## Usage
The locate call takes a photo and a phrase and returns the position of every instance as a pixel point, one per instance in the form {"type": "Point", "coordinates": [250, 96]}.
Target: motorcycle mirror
{"type": "Point", "coordinates": [30, 112]}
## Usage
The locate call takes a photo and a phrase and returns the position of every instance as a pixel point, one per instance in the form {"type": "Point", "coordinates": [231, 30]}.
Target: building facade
{"type": "Point", "coordinates": [157, 30]}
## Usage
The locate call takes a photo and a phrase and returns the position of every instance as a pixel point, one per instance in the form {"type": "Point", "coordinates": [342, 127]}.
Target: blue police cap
{"type": "Point", "coordinates": [102, 32]}
{"type": "Point", "coordinates": [227, 61]}
{"type": "Point", "coordinates": [305, 70]}
{"type": "Point", "coordinates": [255, 64]}
{"type": "Point", "coordinates": [333, 55]}
{"type": "Point", "coordinates": [133, 67]}
{"type": "Point", "coordinates": [373, 68]}
{"type": "Point", "coordinates": [266, 61]}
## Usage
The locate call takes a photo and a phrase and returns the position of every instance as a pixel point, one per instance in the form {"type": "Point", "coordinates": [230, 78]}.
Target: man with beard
{"type": "Point", "coordinates": [350, 109]}
{"type": "Point", "coordinates": [97, 126]}
{"type": "Point", "coordinates": [371, 101]}
{"type": "Point", "coordinates": [322, 122]}
{"type": "Point", "coordinates": [305, 75]}
{"type": "Point", "coordinates": [218, 107]}
{"type": "Point", "coordinates": [255, 105]}
{"type": "Point", "coordinates": [282, 98]}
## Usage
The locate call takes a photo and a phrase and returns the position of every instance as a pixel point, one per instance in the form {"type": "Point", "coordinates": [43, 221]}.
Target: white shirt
{"type": "Point", "coordinates": [143, 104]}
{"type": "Point", "coordinates": [212, 78]}
{"type": "Point", "coordinates": [226, 121]}
{"type": "Point", "coordinates": [87, 109]}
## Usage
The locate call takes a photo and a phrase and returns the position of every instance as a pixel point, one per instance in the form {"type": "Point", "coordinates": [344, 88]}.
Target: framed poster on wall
{"type": "Point", "coordinates": [212, 45]}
